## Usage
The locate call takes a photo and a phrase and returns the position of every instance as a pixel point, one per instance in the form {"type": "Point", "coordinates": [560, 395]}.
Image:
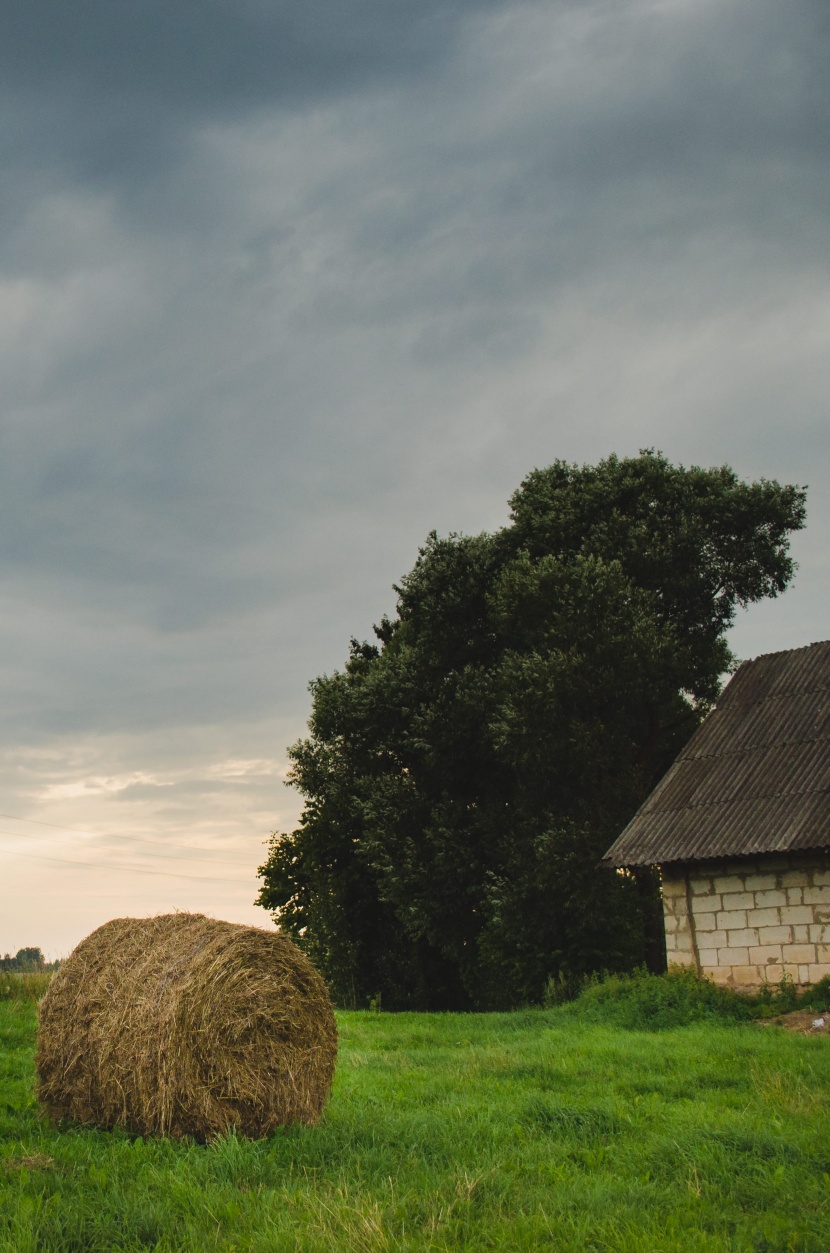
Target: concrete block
{"type": "Point", "coordinates": [765, 954]}
{"type": "Point", "coordinates": [701, 887]}
{"type": "Point", "coordinates": [819, 933]}
{"type": "Point", "coordinates": [729, 883]}
{"type": "Point", "coordinates": [718, 974]}
{"type": "Point", "coordinates": [803, 975]}
{"type": "Point", "coordinates": [743, 936]}
{"type": "Point", "coordinates": [792, 971]}
{"type": "Point", "coordinates": [768, 899]}
{"type": "Point", "coordinates": [823, 953]}
{"type": "Point", "coordinates": [801, 934]}
{"type": "Point", "coordinates": [682, 943]}
{"type": "Point", "coordinates": [708, 957]}
{"type": "Point", "coordinates": [706, 904]}
{"type": "Point", "coordinates": [773, 973]}
{"type": "Point", "coordinates": [795, 896]}
{"type": "Point", "coordinates": [817, 896]}
{"type": "Point", "coordinates": [673, 887]}
{"type": "Point", "coordinates": [746, 976]}
{"type": "Point", "coordinates": [794, 879]}
{"type": "Point", "coordinates": [728, 920]}
{"type": "Point", "coordinates": [762, 918]}
{"type": "Point", "coordinates": [821, 878]}
{"type": "Point", "coordinates": [681, 959]}
{"type": "Point", "coordinates": [818, 970]}
{"type": "Point", "coordinates": [733, 956]}
{"type": "Point", "coordinates": [821, 913]}
{"type": "Point", "coordinates": [775, 935]}
{"type": "Point", "coordinates": [705, 922]}
{"type": "Point", "coordinates": [738, 900]}
{"type": "Point", "coordinates": [799, 952]}
{"type": "Point", "coordinates": [797, 913]}
{"type": "Point", "coordinates": [760, 882]}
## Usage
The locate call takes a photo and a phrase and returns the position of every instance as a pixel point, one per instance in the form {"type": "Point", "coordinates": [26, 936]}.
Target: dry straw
{"type": "Point", "coordinates": [183, 1025]}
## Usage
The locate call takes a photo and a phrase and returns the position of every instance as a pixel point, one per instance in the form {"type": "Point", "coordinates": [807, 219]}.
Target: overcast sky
{"type": "Point", "coordinates": [288, 283]}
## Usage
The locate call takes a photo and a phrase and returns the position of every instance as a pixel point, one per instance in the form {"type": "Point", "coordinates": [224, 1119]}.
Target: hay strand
{"type": "Point", "coordinates": [184, 1025]}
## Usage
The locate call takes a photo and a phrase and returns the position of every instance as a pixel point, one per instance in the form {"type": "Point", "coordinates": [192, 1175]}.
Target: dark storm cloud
{"type": "Point", "coordinates": [446, 201]}
{"type": "Point", "coordinates": [213, 55]}
{"type": "Point", "coordinates": [115, 84]}
{"type": "Point", "coordinates": [112, 90]}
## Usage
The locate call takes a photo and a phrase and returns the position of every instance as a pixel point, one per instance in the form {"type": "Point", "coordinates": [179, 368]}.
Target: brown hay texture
{"type": "Point", "coordinates": [183, 1025]}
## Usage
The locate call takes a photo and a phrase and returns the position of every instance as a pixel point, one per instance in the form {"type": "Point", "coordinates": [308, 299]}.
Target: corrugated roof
{"type": "Point", "coordinates": [755, 776]}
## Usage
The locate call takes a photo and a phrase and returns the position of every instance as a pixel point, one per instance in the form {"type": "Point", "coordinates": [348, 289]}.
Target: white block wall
{"type": "Point", "coordinates": [750, 922]}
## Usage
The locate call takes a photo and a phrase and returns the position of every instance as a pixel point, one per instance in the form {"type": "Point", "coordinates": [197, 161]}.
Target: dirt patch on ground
{"type": "Point", "coordinates": [801, 1022]}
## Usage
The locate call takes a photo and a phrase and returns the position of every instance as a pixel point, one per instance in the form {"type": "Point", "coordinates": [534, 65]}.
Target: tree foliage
{"type": "Point", "coordinates": [464, 774]}
{"type": "Point", "coordinates": [25, 961]}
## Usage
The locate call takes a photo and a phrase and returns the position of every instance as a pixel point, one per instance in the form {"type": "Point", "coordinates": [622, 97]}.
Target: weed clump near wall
{"type": "Point", "coordinates": [184, 1025]}
{"type": "Point", "coordinates": [646, 1002]}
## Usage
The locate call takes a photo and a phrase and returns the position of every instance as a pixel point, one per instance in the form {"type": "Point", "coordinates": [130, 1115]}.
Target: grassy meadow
{"type": "Point", "coordinates": [531, 1130]}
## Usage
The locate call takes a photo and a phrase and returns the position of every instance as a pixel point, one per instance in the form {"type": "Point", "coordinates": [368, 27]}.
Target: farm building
{"type": "Point", "coordinates": [740, 828]}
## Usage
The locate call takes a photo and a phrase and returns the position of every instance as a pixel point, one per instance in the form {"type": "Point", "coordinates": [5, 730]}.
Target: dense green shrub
{"type": "Point", "coordinates": [647, 1002]}
{"type": "Point", "coordinates": [643, 1001]}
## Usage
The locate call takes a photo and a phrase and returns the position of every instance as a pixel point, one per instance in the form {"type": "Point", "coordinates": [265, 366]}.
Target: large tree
{"type": "Point", "coordinates": [464, 774]}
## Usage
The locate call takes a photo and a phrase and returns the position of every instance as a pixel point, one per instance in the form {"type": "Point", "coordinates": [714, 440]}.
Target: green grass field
{"type": "Point", "coordinates": [500, 1131]}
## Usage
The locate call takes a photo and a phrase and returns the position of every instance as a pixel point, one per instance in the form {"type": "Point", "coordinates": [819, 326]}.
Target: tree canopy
{"type": "Point", "coordinates": [24, 961]}
{"type": "Point", "coordinates": [464, 773]}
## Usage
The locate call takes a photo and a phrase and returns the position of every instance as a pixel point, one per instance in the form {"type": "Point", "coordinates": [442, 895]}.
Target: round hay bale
{"type": "Point", "coordinates": [183, 1025]}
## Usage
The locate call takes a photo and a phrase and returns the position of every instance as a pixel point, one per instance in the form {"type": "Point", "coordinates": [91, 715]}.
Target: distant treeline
{"type": "Point", "coordinates": [26, 961]}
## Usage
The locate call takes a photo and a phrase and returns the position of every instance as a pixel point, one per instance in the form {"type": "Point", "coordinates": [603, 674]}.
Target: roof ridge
{"type": "Point", "coordinates": [783, 652]}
